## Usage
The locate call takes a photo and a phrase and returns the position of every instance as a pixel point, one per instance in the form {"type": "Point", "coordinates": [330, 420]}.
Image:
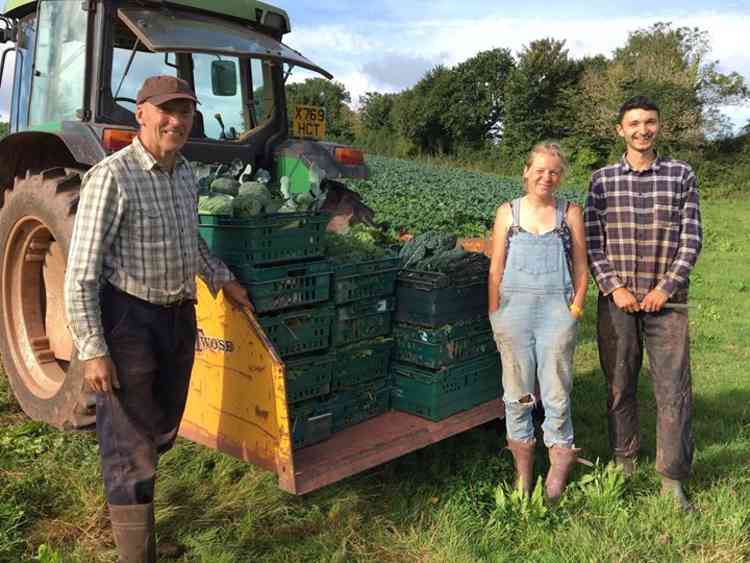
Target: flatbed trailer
{"type": "Point", "coordinates": [238, 405]}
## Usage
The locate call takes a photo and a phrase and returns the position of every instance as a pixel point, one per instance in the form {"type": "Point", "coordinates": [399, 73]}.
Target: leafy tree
{"type": "Point", "coordinates": [4, 129]}
{"type": "Point", "coordinates": [419, 114]}
{"type": "Point", "coordinates": [476, 108]}
{"type": "Point", "coordinates": [333, 97]}
{"type": "Point", "coordinates": [669, 65]}
{"type": "Point", "coordinates": [535, 96]}
{"type": "Point", "coordinates": [375, 110]}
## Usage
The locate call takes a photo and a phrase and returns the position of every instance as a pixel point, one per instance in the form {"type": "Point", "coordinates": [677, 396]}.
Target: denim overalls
{"type": "Point", "coordinates": [536, 332]}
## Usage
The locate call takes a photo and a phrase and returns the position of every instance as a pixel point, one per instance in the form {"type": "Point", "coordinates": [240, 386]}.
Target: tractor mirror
{"type": "Point", "coordinates": [224, 78]}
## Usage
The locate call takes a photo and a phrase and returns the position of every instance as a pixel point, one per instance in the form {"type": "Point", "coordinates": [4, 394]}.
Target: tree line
{"type": "Point", "coordinates": [492, 108]}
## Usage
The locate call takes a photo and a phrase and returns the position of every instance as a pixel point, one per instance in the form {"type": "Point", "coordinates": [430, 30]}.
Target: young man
{"type": "Point", "coordinates": [643, 231]}
{"type": "Point", "coordinates": [130, 301]}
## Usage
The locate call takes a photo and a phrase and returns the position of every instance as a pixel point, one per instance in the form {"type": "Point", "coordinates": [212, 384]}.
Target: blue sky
{"type": "Point", "coordinates": [387, 45]}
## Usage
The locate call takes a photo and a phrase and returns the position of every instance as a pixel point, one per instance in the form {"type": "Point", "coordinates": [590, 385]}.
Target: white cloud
{"type": "Point", "coordinates": [350, 50]}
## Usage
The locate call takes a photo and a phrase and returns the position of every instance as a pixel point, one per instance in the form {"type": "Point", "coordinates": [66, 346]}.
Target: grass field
{"type": "Point", "coordinates": [448, 503]}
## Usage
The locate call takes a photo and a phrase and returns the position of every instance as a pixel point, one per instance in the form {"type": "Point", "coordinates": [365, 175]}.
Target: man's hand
{"type": "Point", "coordinates": [625, 301]}
{"type": "Point", "coordinates": [100, 374]}
{"type": "Point", "coordinates": [237, 294]}
{"type": "Point", "coordinates": [654, 301]}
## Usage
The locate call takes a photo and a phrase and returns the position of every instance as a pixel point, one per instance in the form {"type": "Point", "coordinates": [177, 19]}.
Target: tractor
{"type": "Point", "coordinates": [77, 66]}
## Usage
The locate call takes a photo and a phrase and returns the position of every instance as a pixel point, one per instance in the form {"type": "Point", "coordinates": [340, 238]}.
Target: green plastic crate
{"type": "Point", "coordinates": [439, 410]}
{"type": "Point", "coordinates": [362, 320]}
{"type": "Point", "coordinates": [314, 420]}
{"type": "Point", "coordinates": [264, 239]}
{"type": "Point", "coordinates": [309, 376]}
{"type": "Point", "coordinates": [350, 411]}
{"type": "Point", "coordinates": [300, 331]}
{"type": "Point", "coordinates": [361, 362]}
{"type": "Point", "coordinates": [307, 429]}
{"type": "Point", "coordinates": [365, 307]}
{"type": "Point", "coordinates": [438, 394]}
{"type": "Point", "coordinates": [447, 332]}
{"type": "Point", "coordinates": [273, 288]}
{"type": "Point", "coordinates": [410, 347]}
{"type": "Point", "coordinates": [349, 331]}
{"type": "Point", "coordinates": [369, 278]}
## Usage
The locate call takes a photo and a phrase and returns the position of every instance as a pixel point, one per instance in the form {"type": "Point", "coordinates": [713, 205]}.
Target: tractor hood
{"type": "Point", "coordinates": [187, 32]}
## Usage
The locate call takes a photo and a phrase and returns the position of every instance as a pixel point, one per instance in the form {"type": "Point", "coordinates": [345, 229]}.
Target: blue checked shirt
{"type": "Point", "coordinates": [643, 228]}
{"type": "Point", "coordinates": [137, 228]}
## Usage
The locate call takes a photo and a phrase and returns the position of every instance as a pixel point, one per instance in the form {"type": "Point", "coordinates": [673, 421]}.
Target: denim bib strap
{"type": "Point", "coordinates": [515, 206]}
{"type": "Point", "coordinates": [560, 207]}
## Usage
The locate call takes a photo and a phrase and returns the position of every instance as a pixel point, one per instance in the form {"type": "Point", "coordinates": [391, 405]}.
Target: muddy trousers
{"type": "Point", "coordinates": [621, 338]}
{"type": "Point", "coordinates": [153, 348]}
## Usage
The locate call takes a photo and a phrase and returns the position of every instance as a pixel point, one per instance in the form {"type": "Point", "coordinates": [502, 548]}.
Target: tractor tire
{"type": "Point", "coordinates": [36, 224]}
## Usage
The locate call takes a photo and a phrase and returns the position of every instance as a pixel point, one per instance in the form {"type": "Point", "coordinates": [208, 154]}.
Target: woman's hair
{"type": "Point", "coordinates": [547, 147]}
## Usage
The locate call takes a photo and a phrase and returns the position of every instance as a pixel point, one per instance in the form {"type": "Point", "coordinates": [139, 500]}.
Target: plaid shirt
{"type": "Point", "coordinates": [643, 228]}
{"type": "Point", "coordinates": [136, 228]}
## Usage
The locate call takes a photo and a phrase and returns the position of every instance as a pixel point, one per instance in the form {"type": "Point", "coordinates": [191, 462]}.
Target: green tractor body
{"type": "Point", "coordinates": [76, 72]}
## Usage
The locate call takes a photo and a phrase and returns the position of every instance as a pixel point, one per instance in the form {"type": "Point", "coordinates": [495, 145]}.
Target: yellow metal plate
{"type": "Point", "coordinates": [309, 122]}
{"type": "Point", "coordinates": [237, 398]}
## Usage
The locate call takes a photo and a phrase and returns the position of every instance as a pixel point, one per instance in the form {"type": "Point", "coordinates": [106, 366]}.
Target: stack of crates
{"type": "Point", "coordinates": [360, 386]}
{"type": "Point", "coordinates": [330, 322]}
{"type": "Point", "coordinates": [445, 356]}
{"type": "Point", "coordinates": [279, 260]}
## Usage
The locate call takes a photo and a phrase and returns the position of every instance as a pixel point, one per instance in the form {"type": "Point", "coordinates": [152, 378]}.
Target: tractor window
{"type": "Point", "coordinates": [60, 62]}
{"type": "Point", "coordinates": [19, 118]}
{"type": "Point", "coordinates": [143, 63]}
{"type": "Point", "coordinates": [224, 117]}
{"type": "Point", "coordinates": [262, 83]}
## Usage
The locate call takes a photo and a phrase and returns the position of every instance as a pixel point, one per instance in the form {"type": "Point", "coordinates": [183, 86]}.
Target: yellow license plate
{"type": "Point", "coordinates": [309, 122]}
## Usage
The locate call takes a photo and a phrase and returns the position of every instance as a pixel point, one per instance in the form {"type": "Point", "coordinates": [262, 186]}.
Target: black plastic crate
{"type": "Point", "coordinates": [426, 303]}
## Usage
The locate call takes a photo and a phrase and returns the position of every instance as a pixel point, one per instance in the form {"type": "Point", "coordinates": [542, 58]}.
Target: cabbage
{"type": "Point", "coordinates": [228, 186]}
{"type": "Point", "coordinates": [217, 204]}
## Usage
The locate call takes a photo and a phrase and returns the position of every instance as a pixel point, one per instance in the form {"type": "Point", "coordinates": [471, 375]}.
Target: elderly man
{"type": "Point", "coordinates": [130, 300]}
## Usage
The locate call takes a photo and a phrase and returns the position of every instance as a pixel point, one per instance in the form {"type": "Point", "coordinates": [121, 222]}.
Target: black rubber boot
{"type": "Point", "coordinates": [133, 530]}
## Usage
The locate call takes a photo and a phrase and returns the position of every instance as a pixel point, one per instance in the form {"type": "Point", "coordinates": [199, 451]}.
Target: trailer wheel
{"type": "Point", "coordinates": [36, 223]}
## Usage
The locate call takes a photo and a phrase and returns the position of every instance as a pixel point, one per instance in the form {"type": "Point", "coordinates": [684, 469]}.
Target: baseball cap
{"type": "Point", "coordinates": [161, 89]}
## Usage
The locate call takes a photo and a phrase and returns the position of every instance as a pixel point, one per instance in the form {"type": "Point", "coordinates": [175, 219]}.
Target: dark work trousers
{"type": "Point", "coordinates": [621, 338]}
{"type": "Point", "coordinates": [152, 348]}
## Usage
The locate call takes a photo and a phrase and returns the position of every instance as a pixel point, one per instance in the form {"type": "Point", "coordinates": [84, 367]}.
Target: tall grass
{"type": "Point", "coordinates": [451, 502]}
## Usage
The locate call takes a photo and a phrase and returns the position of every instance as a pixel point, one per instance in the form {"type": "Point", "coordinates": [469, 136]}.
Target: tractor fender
{"type": "Point", "coordinates": [72, 144]}
{"type": "Point", "coordinates": [322, 154]}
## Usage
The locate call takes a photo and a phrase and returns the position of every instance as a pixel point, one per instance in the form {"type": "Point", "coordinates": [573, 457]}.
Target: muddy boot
{"type": "Point", "coordinates": [523, 459]}
{"type": "Point", "coordinates": [133, 530]}
{"type": "Point", "coordinates": [673, 488]}
{"type": "Point", "coordinates": [627, 464]}
{"type": "Point", "coordinates": [561, 462]}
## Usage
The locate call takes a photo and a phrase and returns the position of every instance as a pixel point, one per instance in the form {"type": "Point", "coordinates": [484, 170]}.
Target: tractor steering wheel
{"type": "Point", "coordinates": [131, 100]}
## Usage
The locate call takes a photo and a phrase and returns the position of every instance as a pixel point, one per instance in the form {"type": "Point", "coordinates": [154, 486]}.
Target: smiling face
{"type": "Point", "coordinates": [639, 129]}
{"type": "Point", "coordinates": [543, 175]}
{"type": "Point", "coordinates": [165, 128]}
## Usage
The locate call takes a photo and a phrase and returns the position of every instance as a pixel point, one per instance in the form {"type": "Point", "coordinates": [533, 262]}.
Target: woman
{"type": "Point", "coordinates": [537, 288]}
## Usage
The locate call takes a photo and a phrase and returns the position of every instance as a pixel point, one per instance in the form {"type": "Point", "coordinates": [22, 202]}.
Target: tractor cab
{"type": "Point", "coordinates": [77, 69]}
{"type": "Point", "coordinates": [78, 66]}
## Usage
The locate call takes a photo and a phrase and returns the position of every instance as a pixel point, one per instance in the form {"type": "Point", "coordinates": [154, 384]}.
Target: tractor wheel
{"type": "Point", "coordinates": [36, 223]}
